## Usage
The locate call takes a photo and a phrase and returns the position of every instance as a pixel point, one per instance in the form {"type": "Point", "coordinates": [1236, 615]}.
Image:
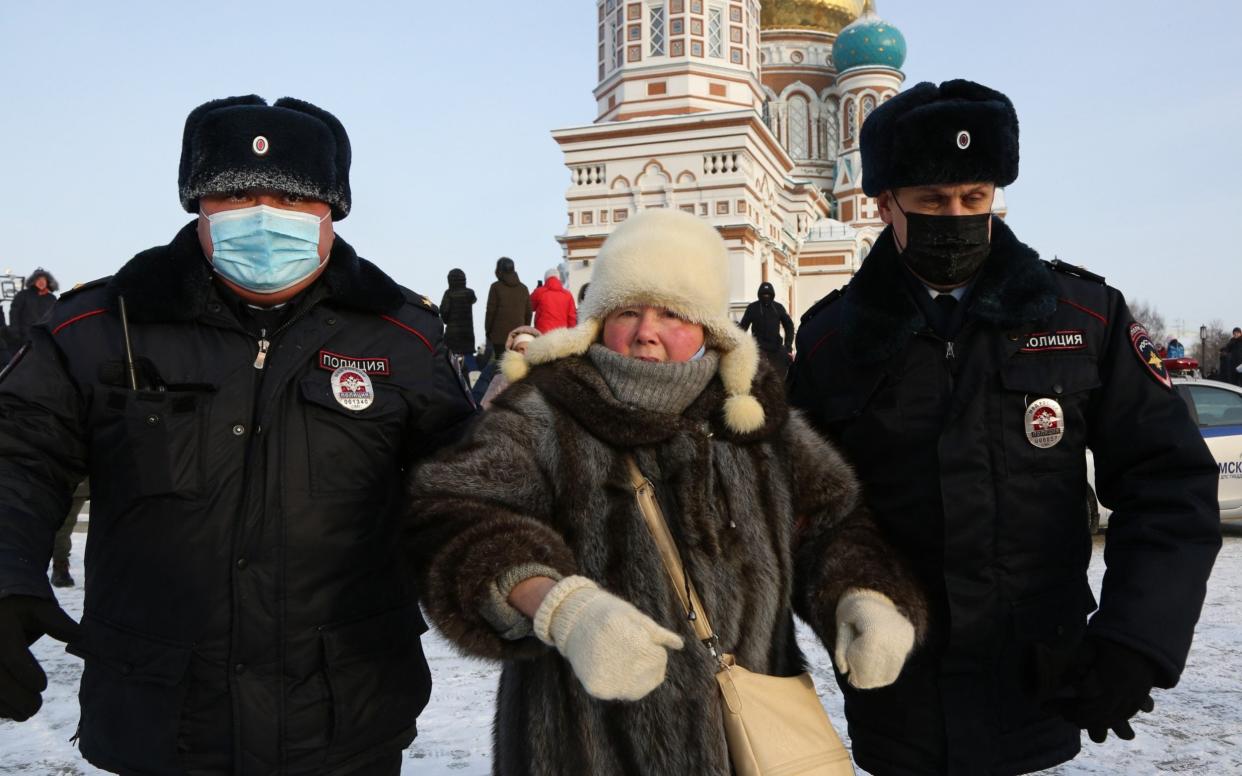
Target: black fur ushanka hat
{"type": "Point", "coordinates": [958, 132]}
{"type": "Point", "coordinates": [241, 143]}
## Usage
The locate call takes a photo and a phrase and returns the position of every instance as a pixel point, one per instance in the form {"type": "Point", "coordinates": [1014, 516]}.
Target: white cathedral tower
{"type": "Point", "coordinates": [745, 114]}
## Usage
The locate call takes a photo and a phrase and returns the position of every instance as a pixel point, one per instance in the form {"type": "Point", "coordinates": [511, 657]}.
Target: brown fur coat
{"type": "Point", "coordinates": [766, 522]}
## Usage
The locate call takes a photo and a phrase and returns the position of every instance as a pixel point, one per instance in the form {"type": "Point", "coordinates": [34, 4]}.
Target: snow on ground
{"type": "Point", "coordinates": [1197, 727]}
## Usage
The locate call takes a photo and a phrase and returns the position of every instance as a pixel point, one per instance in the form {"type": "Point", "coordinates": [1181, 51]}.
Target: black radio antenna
{"type": "Point", "coordinates": [129, 351]}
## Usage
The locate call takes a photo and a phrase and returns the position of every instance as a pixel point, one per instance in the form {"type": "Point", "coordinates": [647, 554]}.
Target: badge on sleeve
{"type": "Point", "coordinates": [1148, 355]}
{"type": "Point", "coordinates": [352, 388]}
{"type": "Point", "coordinates": [1045, 423]}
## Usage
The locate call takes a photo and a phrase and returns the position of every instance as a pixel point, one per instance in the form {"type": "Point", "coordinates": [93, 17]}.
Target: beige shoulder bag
{"type": "Point", "coordinates": [775, 725]}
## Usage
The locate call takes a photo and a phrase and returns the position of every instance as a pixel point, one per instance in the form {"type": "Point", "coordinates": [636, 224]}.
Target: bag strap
{"type": "Point", "coordinates": [644, 492]}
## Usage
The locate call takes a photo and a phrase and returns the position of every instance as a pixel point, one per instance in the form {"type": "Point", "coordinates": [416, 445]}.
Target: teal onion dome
{"type": "Point", "coordinates": [869, 42]}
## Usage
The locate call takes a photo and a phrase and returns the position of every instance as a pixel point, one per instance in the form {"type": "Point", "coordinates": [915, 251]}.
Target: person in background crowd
{"type": "Point", "coordinates": [765, 318]}
{"type": "Point", "coordinates": [32, 303]}
{"type": "Point", "coordinates": [248, 609]}
{"type": "Point", "coordinates": [964, 379]}
{"type": "Point", "coordinates": [535, 553]}
{"type": "Point", "coordinates": [62, 545]}
{"type": "Point", "coordinates": [457, 312]}
{"type": "Point", "coordinates": [1175, 349]}
{"type": "Point", "coordinates": [1232, 358]}
{"type": "Point", "coordinates": [508, 305]}
{"type": "Point", "coordinates": [519, 338]}
{"type": "Point", "coordinates": [7, 346]}
{"type": "Point", "coordinates": [553, 306]}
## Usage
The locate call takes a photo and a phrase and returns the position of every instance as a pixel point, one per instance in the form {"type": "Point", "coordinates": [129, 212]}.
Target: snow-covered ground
{"type": "Point", "coordinates": [1197, 727]}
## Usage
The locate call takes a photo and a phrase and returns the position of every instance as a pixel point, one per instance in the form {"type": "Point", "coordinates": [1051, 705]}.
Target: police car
{"type": "Point", "coordinates": [1217, 408]}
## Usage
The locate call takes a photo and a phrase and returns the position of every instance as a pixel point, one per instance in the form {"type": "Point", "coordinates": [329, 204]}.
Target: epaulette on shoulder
{"type": "Point", "coordinates": [79, 288]}
{"type": "Point", "coordinates": [418, 300]}
{"type": "Point", "coordinates": [822, 303]}
{"type": "Point", "coordinates": [1074, 271]}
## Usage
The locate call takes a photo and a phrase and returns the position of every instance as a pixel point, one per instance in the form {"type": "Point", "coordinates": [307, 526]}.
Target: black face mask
{"type": "Point", "coordinates": [946, 250]}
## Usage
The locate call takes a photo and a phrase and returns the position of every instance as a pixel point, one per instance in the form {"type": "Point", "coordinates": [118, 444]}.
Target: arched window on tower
{"type": "Point", "coordinates": [612, 39]}
{"type": "Point", "coordinates": [830, 130]}
{"type": "Point", "coordinates": [657, 29]}
{"type": "Point", "coordinates": [715, 32]}
{"type": "Point", "coordinates": [868, 105]}
{"type": "Point", "coordinates": [851, 122]}
{"type": "Point", "coordinates": [799, 120]}
{"type": "Point", "coordinates": [619, 37]}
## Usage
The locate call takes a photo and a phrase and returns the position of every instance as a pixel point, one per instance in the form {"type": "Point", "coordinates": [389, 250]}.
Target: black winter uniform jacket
{"type": "Point", "coordinates": [247, 608]}
{"type": "Point", "coordinates": [995, 526]}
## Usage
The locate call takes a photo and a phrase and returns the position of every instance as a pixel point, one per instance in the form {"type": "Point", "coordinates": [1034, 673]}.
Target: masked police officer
{"type": "Point", "coordinates": [966, 379]}
{"type": "Point", "coordinates": [245, 400]}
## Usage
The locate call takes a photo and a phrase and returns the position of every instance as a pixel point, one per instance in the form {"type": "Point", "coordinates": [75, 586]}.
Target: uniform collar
{"type": "Point", "coordinates": [174, 282]}
{"type": "Point", "coordinates": [879, 315]}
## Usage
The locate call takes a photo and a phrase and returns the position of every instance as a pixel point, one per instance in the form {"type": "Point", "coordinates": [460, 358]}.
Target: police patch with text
{"type": "Point", "coordinates": [370, 365]}
{"type": "Point", "coordinates": [1149, 355]}
{"type": "Point", "coordinates": [1040, 342]}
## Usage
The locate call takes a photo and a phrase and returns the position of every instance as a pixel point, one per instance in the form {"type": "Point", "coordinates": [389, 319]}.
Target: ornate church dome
{"type": "Point", "coordinates": [869, 42]}
{"type": "Point", "coordinates": [818, 15]}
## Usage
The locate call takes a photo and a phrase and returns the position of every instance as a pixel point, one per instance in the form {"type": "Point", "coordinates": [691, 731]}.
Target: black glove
{"type": "Point", "coordinates": [1104, 684]}
{"type": "Point", "coordinates": [23, 620]}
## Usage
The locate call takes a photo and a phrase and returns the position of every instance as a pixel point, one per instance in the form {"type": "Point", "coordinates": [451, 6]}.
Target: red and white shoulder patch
{"type": "Point", "coordinates": [1149, 355]}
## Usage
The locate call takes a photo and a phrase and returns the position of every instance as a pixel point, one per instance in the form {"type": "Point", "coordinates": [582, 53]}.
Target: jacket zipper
{"type": "Point", "coordinates": [950, 356]}
{"type": "Point", "coordinates": [260, 359]}
{"type": "Point", "coordinates": [259, 363]}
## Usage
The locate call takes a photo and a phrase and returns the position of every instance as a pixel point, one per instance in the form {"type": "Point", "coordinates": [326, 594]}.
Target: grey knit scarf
{"type": "Point", "coordinates": [669, 387]}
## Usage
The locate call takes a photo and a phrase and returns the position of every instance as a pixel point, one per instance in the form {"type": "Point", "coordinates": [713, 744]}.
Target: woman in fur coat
{"type": "Point", "coordinates": [534, 552]}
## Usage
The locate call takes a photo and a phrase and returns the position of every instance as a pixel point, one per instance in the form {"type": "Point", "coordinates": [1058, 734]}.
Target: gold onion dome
{"type": "Point", "coordinates": [819, 15]}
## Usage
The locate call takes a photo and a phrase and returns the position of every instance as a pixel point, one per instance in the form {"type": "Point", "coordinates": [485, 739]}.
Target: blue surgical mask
{"type": "Point", "coordinates": [265, 249]}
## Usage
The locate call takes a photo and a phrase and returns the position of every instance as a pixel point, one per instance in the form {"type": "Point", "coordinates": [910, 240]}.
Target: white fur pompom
{"type": "Point", "coordinates": [562, 343]}
{"type": "Point", "coordinates": [743, 413]}
{"type": "Point", "coordinates": [513, 366]}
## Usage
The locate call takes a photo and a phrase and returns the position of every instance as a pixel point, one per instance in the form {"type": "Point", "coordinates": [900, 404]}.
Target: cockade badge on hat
{"type": "Point", "coordinates": [260, 146]}
{"type": "Point", "coordinates": [963, 140]}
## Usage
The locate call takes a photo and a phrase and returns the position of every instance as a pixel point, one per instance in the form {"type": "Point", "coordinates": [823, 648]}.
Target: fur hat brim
{"type": "Point", "coordinates": [957, 132]}
{"type": "Point", "coordinates": [241, 143]}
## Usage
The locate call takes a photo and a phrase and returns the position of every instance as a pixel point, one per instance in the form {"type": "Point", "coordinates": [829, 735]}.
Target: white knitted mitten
{"type": "Point", "coordinates": [616, 651]}
{"type": "Point", "coordinates": [873, 639]}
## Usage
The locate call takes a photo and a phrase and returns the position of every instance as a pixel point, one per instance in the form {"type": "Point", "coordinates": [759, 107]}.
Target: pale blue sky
{"type": "Point", "coordinates": [1131, 116]}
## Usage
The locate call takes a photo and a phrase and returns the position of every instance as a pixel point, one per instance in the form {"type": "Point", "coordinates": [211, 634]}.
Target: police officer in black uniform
{"type": "Point", "coordinates": [966, 379]}
{"type": "Point", "coordinates": [245, 400]}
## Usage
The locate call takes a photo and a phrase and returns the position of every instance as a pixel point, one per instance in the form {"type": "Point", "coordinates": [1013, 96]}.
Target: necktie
{"type": "Point", "coordinates": [947, 304]}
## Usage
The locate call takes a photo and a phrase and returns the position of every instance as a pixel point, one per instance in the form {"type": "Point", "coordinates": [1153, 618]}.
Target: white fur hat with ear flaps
{"type": "Point", "coordinates": [670, 259]}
